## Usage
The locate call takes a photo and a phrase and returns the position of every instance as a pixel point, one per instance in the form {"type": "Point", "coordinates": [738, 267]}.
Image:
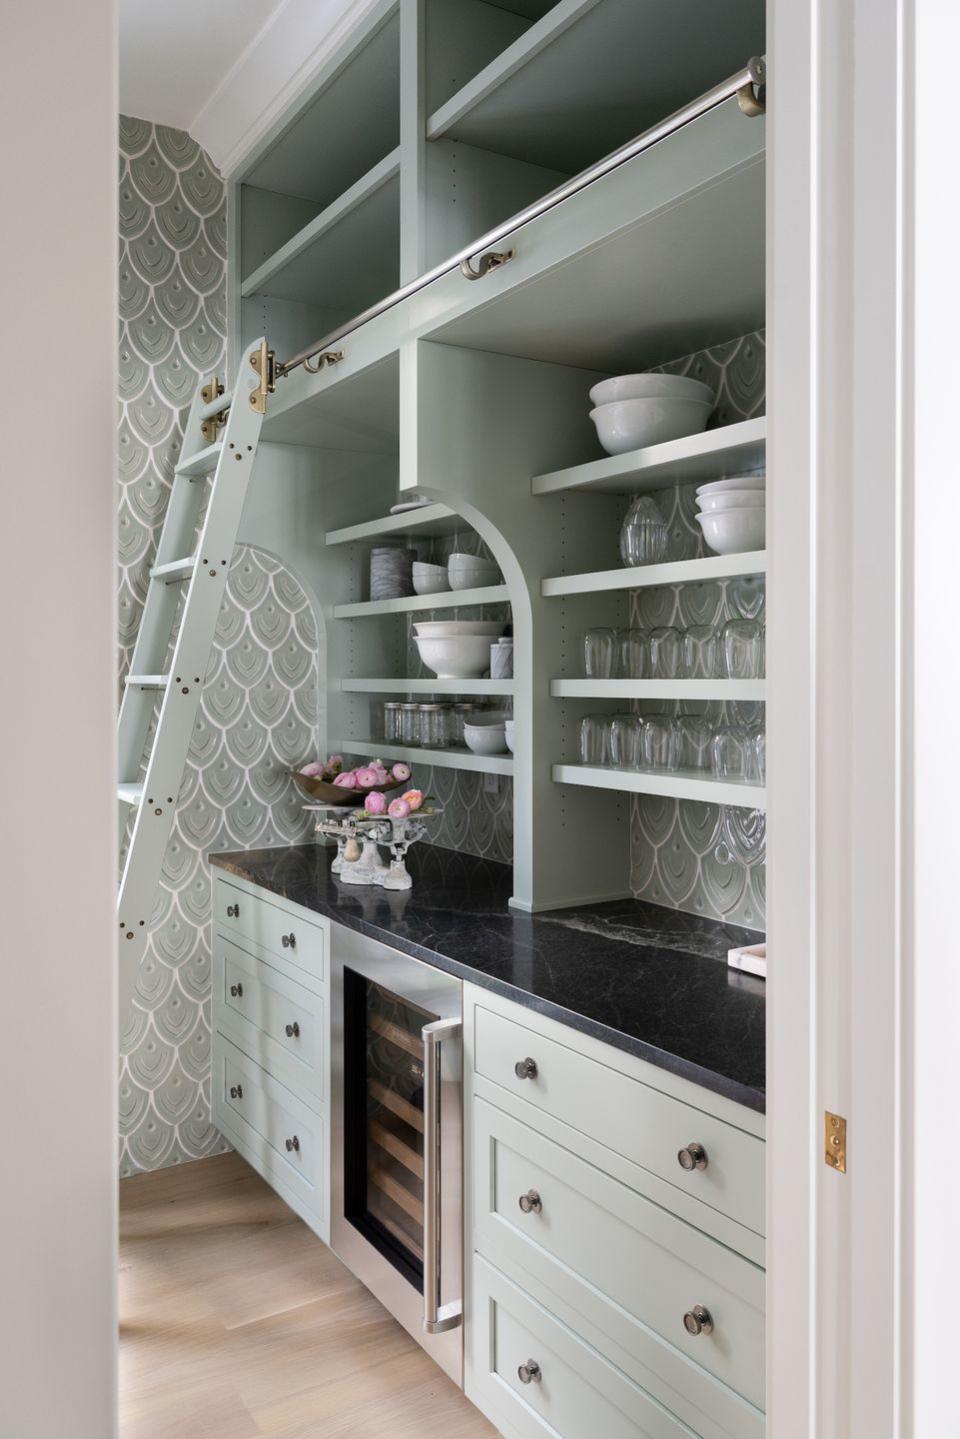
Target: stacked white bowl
{"type": "Point", "coordinates": [733, 514]}
{"type": "Point", "coordinates": [632, 411]}
{"type": "Point", "coordinates": [471, 572]}
{"type": "Point", "coordinates": [457, 649]}
{"type": "Point", "coordinates": [486, 734]}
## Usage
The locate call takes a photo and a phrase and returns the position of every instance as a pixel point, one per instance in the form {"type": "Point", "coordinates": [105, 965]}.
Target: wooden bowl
{"type": "Point", "coordinates": [323, 793]}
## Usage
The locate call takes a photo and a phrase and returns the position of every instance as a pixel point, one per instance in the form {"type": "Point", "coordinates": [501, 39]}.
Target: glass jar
{"type": "Point", "coordinates": [459, 713]}
{"type": "Point", "coordinates": [410, 724]}
{"type": "Point", "coordinates": [433, 726]}
{"type": "Point", "coordinates": [391, 722]}
{"type": "Point", "coordinates": [645, 534]}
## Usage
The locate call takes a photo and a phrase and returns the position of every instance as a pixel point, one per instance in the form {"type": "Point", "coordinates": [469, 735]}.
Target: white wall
{"type": "Point", "coordinates": [57, 854]}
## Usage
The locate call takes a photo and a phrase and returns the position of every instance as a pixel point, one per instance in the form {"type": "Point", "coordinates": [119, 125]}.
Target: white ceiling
{"type": "Point", "coordinates": [175, 54]}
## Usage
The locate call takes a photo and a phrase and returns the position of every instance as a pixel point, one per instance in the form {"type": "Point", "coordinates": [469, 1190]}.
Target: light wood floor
{"type": "Point", "coordinates": [236, 1322]}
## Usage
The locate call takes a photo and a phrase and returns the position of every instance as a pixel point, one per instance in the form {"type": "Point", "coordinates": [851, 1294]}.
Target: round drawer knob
{"type": "Point", "coordinates": [233, 911]}
{"type": "Point", "coordinates": [236, 1091]}
{"type": "Point", "coordinates": [525, 1068]}
{"type": "Point", "coordinates": [692, 1156]}
{"type": "Point", "coordinates": [292, 1144]}
{"type": "Point", "coordinates": [292, 1031]}
{"type": "Point", "coordinates": [529, 1373]}
{"type": "Point", "coordinates": [698, 1320]}
{"type": "Point", "coordinates": [289, 941]}
{"type": "Point", "coordinates": [531, 1203]}
{"type": "Point", "coordinates": [236, 991]}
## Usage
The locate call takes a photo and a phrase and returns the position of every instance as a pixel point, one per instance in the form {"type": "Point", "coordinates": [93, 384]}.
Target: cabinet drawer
{"type": "Point", "coordinates": [280, 1135]}
{"type": "Point", "coordinates": [276, 1021]}
{"type": "Point", "coordinates": [633, 1119]}
{"type": "Point", "coordinates": [577, 1394]}
{"type": "Point", "coordinates": [270, 926]}
{"type": "Point", "coordinates": [623, 1267]}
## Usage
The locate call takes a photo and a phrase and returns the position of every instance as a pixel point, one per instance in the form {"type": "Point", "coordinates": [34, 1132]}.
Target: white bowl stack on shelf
{"type": "Point", "coordinates": [429, 579]}
{"type": "Point", "coordinates": [457, 649]}
{"type": "Point", "coordinates": [632, 411]}
{"type": "Point", "coordinates": [733, 514]}
{"type": "Point", "coordinates": [487, 734]}
{"type": "Point", "coordinates": [471, 572]}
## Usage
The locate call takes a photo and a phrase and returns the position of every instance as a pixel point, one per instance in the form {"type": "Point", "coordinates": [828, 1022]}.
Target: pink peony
{"type": "Point", "coordinates": [312, 770]}
{"type": "Point", "coordinates": [401, 772]}
{"type": "Point", "coordinates": [347, 780]}
{"type": "Point", "coordinates": [375, 802]}
{"type": "Point", "coordinates": [335, 763]}
{"type": "Point", "coordinates": [399, 809]}
{"type": "Point", "coordinates": [414, 798]}
{"type": "Point", "coordinates": [366, 777]}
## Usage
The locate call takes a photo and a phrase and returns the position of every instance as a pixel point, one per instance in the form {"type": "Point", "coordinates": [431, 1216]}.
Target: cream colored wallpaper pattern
{"type": "Point", "coordinates": [259, 705]}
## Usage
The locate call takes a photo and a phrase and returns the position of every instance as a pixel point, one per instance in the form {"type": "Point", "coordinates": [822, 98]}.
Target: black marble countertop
{"type": "Point", "coordinates": [650, 980]}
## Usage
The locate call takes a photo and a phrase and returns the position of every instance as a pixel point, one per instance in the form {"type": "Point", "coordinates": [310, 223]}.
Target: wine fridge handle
{"type": "Point", "coordinates": [437, 1317]}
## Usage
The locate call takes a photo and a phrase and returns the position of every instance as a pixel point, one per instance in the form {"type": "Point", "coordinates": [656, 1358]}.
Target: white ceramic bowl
{"type": "Point", "coordinates": [485, 738]}
{"type": "Point", "coordinates": [647, 387]}
{"type": "Point", "coordinates": [732, 500]}
{"type": "Point", "coordinates": [738, 482]}
{"type": "Point", "coordinates": [473, 577]}
{"type": "Point", "coordinates": [429, 579]}
{"type": "Point", "coordinates": [508, 734]}
{"type": "Point", "coordinates": [444, 629]}
{"type": "Point", "coordinates": [734, 532]}
{"type": "Point", "coordinates": [456, 657]}
{"type": "Point", "coordinates": [633, 424]}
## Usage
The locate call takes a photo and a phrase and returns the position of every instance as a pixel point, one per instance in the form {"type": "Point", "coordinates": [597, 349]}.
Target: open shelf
{"type": "Point", "coordinates": [676, 572]}
{"type": "Point", "coordinates": [588, 76]}
{"type": "Point", "coordinates": [430, 520]}
{"type": "Point", "coordinates": [441, 758]}
{"type": "Point", "coordinates": [674, 784]}
{"type": "Point", "coordinates": [427, 687]}
{"type": "Point", "coordinates": [659, 689]}
{"type": "Point", "coordinates": [695, 459]}
{"type": "Point", "coordinates": [414, 604]}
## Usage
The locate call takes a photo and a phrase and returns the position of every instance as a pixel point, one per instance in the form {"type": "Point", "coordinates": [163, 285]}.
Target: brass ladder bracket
{"type": "Point", "coordinates": [321, 360]}
{"type": "Point", "coordinates": [264, 361]}
{"type": "Point", "coordinates": [752, 97]}
{"type": "Point", "coordinates": [492, 260]}
{"type": "Point", "coordinates": [835, 1141]}
{"type": "Point", "coordinates": [210, 426]}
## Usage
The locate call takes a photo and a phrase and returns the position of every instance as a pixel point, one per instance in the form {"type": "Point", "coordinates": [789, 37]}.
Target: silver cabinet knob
{"type": "Point", "coordinates": [292, 1144]}
{"type": "Point", "coordinates": [289, 941]}
{"type": "Point", "coordinates": [692, 1156]}
{"type": "Point", "coordinates": [531, 1203]}
{"type": "Point", "coordinates": [525, 1068]}
{"type": "Point", "coordinates": [698, 1320]}
{"type": "Point", "coordinates": [236, 1091]}
{"type": "Point", "coordinates": [233, 911]}
{"type": "Point", "coordinates": [529, 1373]}
{"type": "Point", "coordinates": [236, 991]}
{"type": "Point", "coordinates": [292, 1031]}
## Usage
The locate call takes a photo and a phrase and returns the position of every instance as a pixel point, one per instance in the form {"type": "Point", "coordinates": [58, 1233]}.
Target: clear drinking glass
{"type": "Point", "coordinates": [701, 653]}
{"type": "Point", "coordinates": [666, 653]}
{"type": "Point", "coordinates": [743, 646]}
{"type": "Point", "coordinates": [595, 739]}
{"type": "Point", "coordinates": [625, 738]}
{"type": "Point", "coordinates": [644, 536]}
{"type": "Point", "coordinates": [634, 654]}
{"type": "Point", "coordinates": [661, 742]}
{"type": "Point", "coordinates": [599, 653]}
{"type": "Point", "coordinates": [696, 736]}
{"type": "Point", "coordinates": [729, 752]}
{"type": "Point", "coordinates": [755, 757]}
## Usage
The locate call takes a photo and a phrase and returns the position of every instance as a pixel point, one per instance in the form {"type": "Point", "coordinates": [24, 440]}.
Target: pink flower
{"type": "Point", "coordinates": [375, 802]}
{"type": "Point", "coordinates": [382, 776]}
{"type": "Point", "coordinates": [312, 770]}
{"type": "Point", "coordinates": [414, 798]}
{"type": "Point", "coordinates": [399, 809]}
{"type": "Point", "coordinates": [347, 780]}
{"type": "Point", "coordinates": [335, 763]}
{"type": "Point", "coordinates": [366, 777]}
{"type": "Point", "coordinates": [401, 771]}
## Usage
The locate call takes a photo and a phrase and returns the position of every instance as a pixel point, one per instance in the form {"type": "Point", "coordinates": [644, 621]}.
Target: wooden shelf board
{"type": "Point", "coordinates": [677, 572]}
{"type": "Point", "coordinates": [412, 604]}
{"type": "Point", "coordinates": [676, 784]}
{"type": "Point", "coordinates": [202, 462]}
{"type": "Point", "coordinates": [427, 687]}
{"type": "Point", "coordinates": [659, 689]}
{"type": "Point", "coordinates": [174, 570]}
{"type": "Point", "coordinates": [462, 759]}
{"type": "Point", "coordinates": [430, 520]}
{"type": "Point", "coordinates": [712, 455]}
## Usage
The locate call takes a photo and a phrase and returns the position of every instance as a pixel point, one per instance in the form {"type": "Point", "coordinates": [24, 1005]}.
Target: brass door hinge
{"type": "Point", "coordinates": [209, 427]}
{"type": "Point", "coordinates": [264, 361]}
{"type": "Point", "coordinates": [835, 1141]}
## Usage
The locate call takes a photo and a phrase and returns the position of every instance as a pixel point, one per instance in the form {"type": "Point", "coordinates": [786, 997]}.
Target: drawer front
{"type": "Point", "coordinates": [278, 1022]}
{"type": "Point", "coordinates": [576, 1393]}
{"type": "Point", "coordinates": [281, 1135]}
{"type": "Point", "coordinates": [263, 922]}
{"type": "Point", "coordinates": [622, 1264]}
{"type": "Point", "coordinates": [633, 1119]}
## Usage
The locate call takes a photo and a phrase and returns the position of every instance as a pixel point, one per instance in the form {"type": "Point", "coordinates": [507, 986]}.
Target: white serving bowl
{"type": "Point", "coordinates": [648, 387]}
{"type": "Point", "coordinates": [734, 532]}
{"type": "Point", "coordinates": [732, 500]}
{"type": "Point", "coordinates": [737, 482]}
{"type": "Point", "coordinates": [429, 579]}
{"type": "Point", "coordinates": [469, 573]}
{"type": "Point", "coordinates": [634, 424]}
{"type": "Point", "coordinates": [485, 738]}
{"type": "Point", "coordinates": [444, 629]}
{"type": "Point", "coordinates": [455, 657]}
